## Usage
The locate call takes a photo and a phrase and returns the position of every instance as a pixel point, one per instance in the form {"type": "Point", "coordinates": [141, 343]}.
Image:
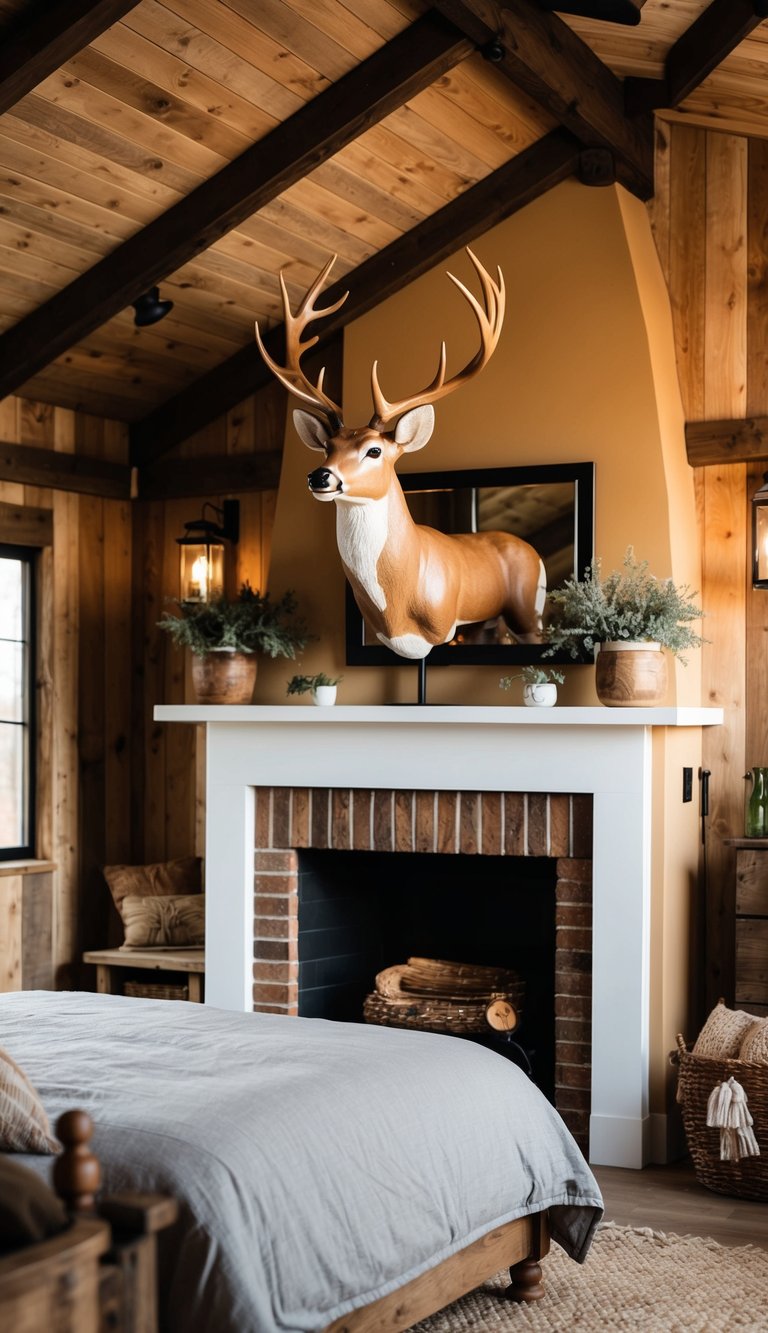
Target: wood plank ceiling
{"type": "Point", "coordinates": [206, 144]}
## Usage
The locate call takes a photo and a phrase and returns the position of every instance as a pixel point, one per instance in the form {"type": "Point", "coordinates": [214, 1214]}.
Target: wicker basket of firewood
{"type": "Point", "coordinates": [438, 996]}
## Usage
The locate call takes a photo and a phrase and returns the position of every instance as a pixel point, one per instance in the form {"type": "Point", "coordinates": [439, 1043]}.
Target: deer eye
{"type": "Point", "coordinates": [374, 452]}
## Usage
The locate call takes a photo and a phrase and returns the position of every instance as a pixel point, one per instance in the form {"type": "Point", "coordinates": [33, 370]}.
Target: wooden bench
{"type": "Point", "coordinates": [107, 961]}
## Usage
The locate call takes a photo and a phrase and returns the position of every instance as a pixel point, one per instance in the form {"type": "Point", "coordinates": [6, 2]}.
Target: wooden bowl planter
{"type": "Point", "coordinates": [224, 676]}
{"type": "Point", "coordinates": [630, 675]}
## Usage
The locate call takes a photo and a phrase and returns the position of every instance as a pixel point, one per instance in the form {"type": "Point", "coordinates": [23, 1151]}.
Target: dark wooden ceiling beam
{"type": "Point", "coordinates": [541, 55]}
{"type": "Point", "coordinates": [364, 97]}
{"type": "Point", "coordinates": [715, 33]}
{"type": "Point", "coordinates": [738, 441]}
{"type": "Point", "coordinates": [32, 49]}
{"type": "Point", "coordinates": [217, 474]}
{"type": "Point", "coordinates": [608, 11]}
{"type": "Point", "coordinates": [30, 466]}
{"type": "Point", "coordinates": [533, 172]}
{"type": "Point", "coordinates": [702, 47]}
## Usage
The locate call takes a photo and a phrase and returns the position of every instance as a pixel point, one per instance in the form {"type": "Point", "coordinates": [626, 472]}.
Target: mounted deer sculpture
{"type": "Point", "coordinates": [412, 584]}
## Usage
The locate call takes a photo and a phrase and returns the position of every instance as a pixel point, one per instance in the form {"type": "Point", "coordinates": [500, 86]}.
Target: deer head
{"type": "Point", "coordinates": [359, 462]}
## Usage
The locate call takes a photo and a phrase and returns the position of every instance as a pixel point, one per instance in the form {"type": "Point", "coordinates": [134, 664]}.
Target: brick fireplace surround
{"type": "Point", "coordinates": [473, 823]}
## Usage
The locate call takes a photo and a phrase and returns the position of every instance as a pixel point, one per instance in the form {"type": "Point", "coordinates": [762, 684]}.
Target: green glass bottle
{"type": "Point", "coordinates": [756, 815]}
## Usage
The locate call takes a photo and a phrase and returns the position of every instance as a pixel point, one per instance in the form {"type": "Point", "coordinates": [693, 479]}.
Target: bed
{"type": "Point", "coordinates": [319, 1167]}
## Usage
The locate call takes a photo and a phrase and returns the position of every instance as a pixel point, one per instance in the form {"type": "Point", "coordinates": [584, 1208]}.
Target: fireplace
{"type": "Point", "coordinates": [606, 756]}
{"type": "Point", "coordinates": [462, 838]}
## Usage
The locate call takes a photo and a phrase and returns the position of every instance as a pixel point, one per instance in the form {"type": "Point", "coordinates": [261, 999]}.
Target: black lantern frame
{"type": "Point", "coordinates": [202, 549]}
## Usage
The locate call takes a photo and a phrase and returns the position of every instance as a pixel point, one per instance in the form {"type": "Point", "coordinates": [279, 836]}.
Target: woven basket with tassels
{"type": "Point", "coordinates": [748, 1178]}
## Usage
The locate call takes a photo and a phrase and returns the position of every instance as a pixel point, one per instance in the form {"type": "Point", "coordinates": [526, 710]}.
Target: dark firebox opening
{"type": "Point", "coordinates": [360, 912]}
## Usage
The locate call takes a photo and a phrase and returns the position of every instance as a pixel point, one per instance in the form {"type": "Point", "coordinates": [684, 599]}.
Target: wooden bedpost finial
{"type": "Point", "coordinates": [76, 1173]}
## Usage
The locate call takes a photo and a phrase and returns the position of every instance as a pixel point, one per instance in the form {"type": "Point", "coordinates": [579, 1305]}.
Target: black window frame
{"type": "Point", "coordinates": [27, 555]}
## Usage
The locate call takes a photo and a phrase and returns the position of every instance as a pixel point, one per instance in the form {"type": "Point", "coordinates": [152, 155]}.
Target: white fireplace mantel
{"type": "Point", "coordinates": [606, 752]}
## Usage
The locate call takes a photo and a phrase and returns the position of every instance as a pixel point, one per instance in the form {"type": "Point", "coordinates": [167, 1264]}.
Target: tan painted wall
{"type": "Point", "coordinates": [585, 371]}
{"type": "Point", "coordinates": [575, 377]}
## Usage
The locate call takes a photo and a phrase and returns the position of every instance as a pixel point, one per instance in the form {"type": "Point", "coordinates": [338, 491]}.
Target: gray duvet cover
{"type": "Point", "coordinates": [318, 1165]}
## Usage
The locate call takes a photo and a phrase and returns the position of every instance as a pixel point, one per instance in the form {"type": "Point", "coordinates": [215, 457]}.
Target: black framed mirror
{"type": "Point", "coordinates": [551, 506]}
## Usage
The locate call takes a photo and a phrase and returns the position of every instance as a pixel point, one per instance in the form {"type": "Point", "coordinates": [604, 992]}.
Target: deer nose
{"type": "Point", "coordinates": [320, 479]}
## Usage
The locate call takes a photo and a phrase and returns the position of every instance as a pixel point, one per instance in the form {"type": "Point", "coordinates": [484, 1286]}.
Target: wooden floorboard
{"type": "Point", "coordinates": [669, 1198]}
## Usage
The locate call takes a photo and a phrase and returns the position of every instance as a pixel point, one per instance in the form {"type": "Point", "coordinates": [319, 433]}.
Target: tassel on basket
{"type": "Point", "coordinates": [727, 1111]}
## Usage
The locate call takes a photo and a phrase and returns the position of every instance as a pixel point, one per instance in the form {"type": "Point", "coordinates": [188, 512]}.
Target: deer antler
{"type": "Point", "coordinates": [292, 375]}
{"type": "Point", "coordinates": [490, 317]}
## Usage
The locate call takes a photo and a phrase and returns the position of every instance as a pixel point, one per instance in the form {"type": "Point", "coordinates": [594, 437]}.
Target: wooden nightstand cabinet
{"type": "Point", "coordinates": [751, 991]}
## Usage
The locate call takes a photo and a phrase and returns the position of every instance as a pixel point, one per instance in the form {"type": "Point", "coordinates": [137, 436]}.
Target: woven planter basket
{"type": "Point", "coordinates": [747, 1179]}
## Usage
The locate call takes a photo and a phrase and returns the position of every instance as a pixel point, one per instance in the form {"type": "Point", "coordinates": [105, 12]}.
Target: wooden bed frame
{"type": "Point", "coordinates": [101, 1272]}
{"type": "Point", "coordinates": [518, 1245]}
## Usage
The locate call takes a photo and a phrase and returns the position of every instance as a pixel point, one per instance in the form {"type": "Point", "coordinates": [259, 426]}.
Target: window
{"type": "Point", "coordinates": [16, 702]}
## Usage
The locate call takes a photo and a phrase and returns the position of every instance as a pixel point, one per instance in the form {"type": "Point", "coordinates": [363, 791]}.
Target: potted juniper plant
{"type": "Point", "coordinates": [539, 685]}
{"type": "Point", "coordinates": [626, 621]}
{"type": "Point", "coordinates": [226, 636]}
{"type": "Point", "coordinates": [321, 687]}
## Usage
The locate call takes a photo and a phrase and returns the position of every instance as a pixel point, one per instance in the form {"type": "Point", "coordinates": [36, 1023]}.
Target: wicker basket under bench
{"type": "Point", "coordinates": [747, 1179]}
{"type": "Point", "coordinates": [110, 978]}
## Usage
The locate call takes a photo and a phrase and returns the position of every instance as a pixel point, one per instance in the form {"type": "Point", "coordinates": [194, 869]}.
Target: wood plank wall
{"type": "Point", "coordinates": [167, 804]}
{"type": "Point", "coordinates": [113, 786]}
{"type": "Point", "coordinates": [84, 719]}
{"type": "Point", "coordinates": [710, 219]}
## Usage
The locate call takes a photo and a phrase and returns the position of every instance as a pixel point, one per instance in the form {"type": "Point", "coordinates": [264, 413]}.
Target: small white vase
{"type": "Point", "coordinates": [324, 695]}
{"type": "Point", "coordinates": [540, 696]}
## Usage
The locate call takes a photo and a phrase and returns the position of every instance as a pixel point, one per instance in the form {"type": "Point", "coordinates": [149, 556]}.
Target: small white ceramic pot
{"type": "Point", "coordinates": [540, 696]}
{"type": "Point", "coordinates": [324, 695]}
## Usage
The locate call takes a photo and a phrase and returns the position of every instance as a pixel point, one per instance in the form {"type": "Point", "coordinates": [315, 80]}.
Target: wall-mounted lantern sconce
{"type": "Point", "coordinates": [202, 551]}
{"type": "Point", "coordinates": [760, 536]}
{"type": "Point", "coordinates": [149, 309]}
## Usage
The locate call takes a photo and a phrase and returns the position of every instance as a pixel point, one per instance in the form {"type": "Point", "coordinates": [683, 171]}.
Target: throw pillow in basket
{"type": "Point", "coordinates": [169, 921]}
{"type": "Point", "coordinates": [722, 1034]}
{"type": "Point", "coordinates": [162, 878]}
{"type": "Point", "coordinates": [754, 1047]}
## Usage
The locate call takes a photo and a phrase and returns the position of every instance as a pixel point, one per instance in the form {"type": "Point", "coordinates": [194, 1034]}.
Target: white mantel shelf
{"type": "Point", "coordinates": [440, 715]}
{"type": "Point", "coordinates": [607, 752]}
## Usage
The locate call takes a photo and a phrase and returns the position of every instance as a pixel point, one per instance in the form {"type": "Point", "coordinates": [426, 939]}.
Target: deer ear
{"type": "Point", "coordinates": [311, 430]}
{"type": "Point", "coordinates": [415, 428]}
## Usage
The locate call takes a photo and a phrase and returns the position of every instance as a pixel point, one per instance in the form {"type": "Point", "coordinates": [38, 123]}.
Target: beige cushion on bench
{"type": "Point", "coordinates": [162, 922]}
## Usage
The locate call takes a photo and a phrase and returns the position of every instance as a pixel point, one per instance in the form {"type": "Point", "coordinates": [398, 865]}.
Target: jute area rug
{"type": "Point", "coordinates": [633, 1279]}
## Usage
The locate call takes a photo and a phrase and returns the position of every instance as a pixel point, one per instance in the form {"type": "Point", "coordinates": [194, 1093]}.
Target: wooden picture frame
{"type": "Point", "coordinates": [455, 501]}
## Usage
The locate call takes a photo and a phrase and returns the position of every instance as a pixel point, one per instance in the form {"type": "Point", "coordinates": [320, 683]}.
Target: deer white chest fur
{"type": "Point", "coordinates": [412, 584]}
{"type": "Point", "coordinates": [361, 535]}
